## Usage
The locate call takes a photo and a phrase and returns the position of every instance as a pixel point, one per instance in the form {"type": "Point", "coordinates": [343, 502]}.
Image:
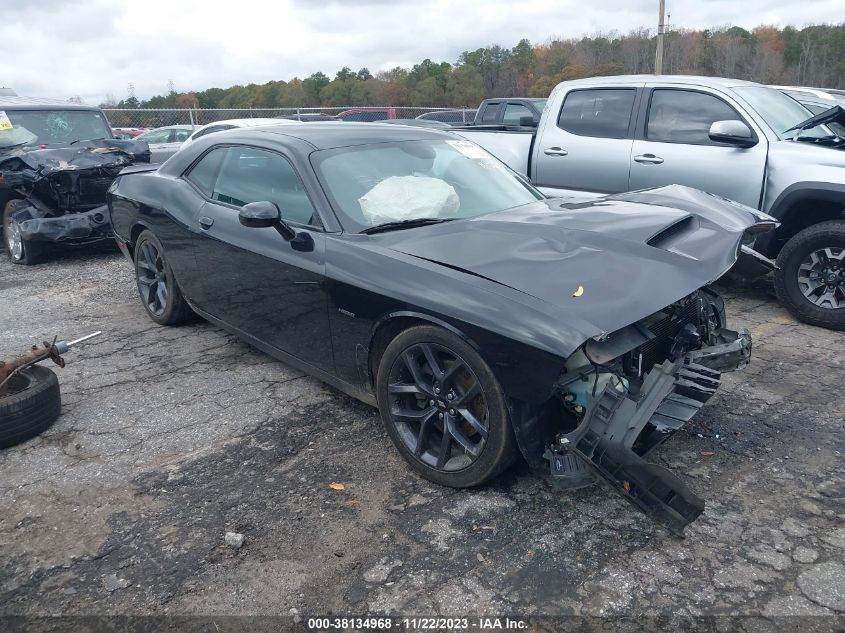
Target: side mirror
{"type": "Point", "coordinates": [265, 214]}
{"type": "Point", "coordinates": [527, 121]}
{"type": "Point", "coordinates": [733, 133]}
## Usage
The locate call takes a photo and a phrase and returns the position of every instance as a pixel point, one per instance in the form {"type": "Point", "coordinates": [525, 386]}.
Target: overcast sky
{"type": "Point", "coordinates": [63, 48]}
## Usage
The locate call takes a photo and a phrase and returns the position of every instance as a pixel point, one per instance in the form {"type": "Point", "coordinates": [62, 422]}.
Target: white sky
{"type": "Point", "coordinates": [62, 48]}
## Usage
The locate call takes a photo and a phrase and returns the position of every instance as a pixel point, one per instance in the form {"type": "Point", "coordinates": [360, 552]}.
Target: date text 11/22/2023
{"type": "Point", "coordinates": [416, 623]}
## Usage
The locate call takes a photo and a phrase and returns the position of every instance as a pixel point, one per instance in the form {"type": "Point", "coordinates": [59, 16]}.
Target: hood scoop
{"type": "Point", "coordinates": [673, 233]}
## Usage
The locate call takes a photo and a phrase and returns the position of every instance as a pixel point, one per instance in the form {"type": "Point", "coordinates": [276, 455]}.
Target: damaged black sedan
{"type": "Point", "coordinates": [56, 163]}
{"type": "Point", "coordinates": [414, 271]}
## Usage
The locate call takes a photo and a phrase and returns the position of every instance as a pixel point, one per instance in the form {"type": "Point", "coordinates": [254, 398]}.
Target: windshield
{"type": "Point", "coordinates": [52, 127]}
{"type": "Point", "coordinates": [778, 110]}
{"type": "Point", "coordinates": [409, 180]}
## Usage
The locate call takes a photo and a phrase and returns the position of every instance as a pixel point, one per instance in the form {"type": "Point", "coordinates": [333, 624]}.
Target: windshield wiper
{"type": "Point", "coordinates": [403, 224]}
{"type": "Point", "coordinates": [836, 114]}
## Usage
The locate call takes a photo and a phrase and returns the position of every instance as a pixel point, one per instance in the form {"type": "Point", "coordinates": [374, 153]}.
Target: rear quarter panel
{"type": "Point", "coordinates": [169, 208]}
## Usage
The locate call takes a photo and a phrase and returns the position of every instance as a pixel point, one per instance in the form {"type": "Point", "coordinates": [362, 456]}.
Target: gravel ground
{"type": "Point", "coordinates": [171, 437]}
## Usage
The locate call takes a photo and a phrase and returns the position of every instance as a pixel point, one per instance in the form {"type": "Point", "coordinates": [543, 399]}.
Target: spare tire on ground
{"type": "Point", "coordinates": [31, 406]}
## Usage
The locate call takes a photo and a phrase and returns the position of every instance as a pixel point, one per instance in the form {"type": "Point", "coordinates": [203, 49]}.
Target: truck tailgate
{"type": "Point", "coordinates": [512, 147]}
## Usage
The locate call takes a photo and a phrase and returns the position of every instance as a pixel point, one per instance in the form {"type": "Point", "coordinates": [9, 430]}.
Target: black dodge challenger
{"type": "Point", "coordinates": [414, 271]}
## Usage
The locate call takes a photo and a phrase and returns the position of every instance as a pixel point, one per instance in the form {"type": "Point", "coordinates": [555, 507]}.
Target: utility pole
{"type": "Point", "coordinates": [658, 56]}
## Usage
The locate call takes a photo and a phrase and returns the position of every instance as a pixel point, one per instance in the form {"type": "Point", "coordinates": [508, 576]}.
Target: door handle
{"type": "Point", "coordinates": [206, 222]}
{"type": "Point", "coordinates": [648, 159]}
{"type": "Point", "coordinates": [555, 151]}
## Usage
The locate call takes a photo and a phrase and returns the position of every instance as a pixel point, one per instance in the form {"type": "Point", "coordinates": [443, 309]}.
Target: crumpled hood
{"type": "Point", "coordinates": [78, 156]}
{"type": "Point", "coordinates": [608, 262]}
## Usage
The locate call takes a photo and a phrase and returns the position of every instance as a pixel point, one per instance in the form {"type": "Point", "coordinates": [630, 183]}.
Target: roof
{"type": "Point", "coordinates": [254, 122]}
{"type": "Point", "coordinates": [530, 99]}
{"type": "Point", "coordinates": [38, 103]}
{"type": "Point", "coordinates": [696, 80]}
{"type": "Point", "coordinates": [330, 134]}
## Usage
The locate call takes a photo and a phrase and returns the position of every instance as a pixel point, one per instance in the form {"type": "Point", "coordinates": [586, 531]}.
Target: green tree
{"type": "Point", "coordinates": [312, 86]}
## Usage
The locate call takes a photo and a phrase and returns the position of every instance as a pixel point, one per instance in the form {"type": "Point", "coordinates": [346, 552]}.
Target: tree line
{"type": "Point", "coordinates": [809, 56]}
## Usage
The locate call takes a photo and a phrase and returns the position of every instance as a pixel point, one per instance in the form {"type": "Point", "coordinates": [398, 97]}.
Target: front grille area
{"type": "Point", "coordinates": [92, 189]}
{"type": "Point", "coordinates": [77, 190]}
{"type": "Point", "coordinates": [665, 325]}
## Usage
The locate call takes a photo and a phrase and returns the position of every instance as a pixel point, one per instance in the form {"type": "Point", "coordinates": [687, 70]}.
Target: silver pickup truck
{"type": "Point", "coordinates": [732, 138]}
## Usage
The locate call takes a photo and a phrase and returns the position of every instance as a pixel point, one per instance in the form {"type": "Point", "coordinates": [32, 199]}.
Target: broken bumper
{"type": "Point", "coordinates": [618, 430]}
{"type": "Point", "coordinates": [83, 227]}
{"type": "Point", "coordinates": [751, 264]}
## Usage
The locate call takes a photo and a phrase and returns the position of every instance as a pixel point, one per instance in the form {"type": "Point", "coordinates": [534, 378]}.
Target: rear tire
{"type": "Point", "coordinates": [19, 250]}
{"type": "Point", "coordinates": [32, 408]}
{"type": "Point", "coordinates": [418, 406]}
{"type": "Point", "coordinates": [798, 272]}
{"type": "Point", "coordinates": [157, 287]}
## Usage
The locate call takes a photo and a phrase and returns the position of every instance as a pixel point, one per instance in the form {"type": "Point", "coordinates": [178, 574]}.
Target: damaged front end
{"type": "Point", "coordinates": [59, 194]}
{"type": "Point", "coordinates": [627, 393]}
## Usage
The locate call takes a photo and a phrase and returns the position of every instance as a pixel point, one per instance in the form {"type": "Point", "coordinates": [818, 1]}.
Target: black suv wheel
{"type": "Point", "coordinates": [811, 279]}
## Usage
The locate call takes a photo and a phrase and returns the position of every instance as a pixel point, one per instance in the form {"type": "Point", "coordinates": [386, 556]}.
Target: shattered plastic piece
{"type": "Point", "coordinates": [618, 430]}
{"type": "Point", "coordinates": [337, 486]}
{"type": "Point", "coordinates": [578, 292]}
{"type": "Point", "coordinates": [408, 198]}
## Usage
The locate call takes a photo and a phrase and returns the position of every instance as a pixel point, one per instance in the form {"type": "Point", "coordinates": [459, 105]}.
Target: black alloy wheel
{"type": "Point", "coordinates": [152, 278]}
{"type": "Point", "coordinates": [810, 281]}
{"type": "Point", "coordinates": [443, 408]}
{"type": "Point", "coordinates": [157, 285]}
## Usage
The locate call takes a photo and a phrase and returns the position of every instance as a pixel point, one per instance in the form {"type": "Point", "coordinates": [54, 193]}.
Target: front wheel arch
{"type": "Point", "coordinates": [391, 325]}
{"type": "Point", "coordinates": [800, 207]}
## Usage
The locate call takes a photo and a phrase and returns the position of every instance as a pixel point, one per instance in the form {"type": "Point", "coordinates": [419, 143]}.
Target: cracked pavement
{"type": "Point", "coordinates": [170, 437]}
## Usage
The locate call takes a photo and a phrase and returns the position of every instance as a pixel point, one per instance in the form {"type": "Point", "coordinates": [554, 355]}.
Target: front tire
{"type": "Point", "coordinates": [443, 408]}
{"type": "Point", "coordinates": [810, 281]}
{"type": "Point", "coordinates": [20, 251]}
{"type": "Point", "coordinates": [157, 287]}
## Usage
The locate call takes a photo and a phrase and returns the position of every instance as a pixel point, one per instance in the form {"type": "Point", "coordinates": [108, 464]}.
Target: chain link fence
{"type": "Point", "coordinates": [149, 118]}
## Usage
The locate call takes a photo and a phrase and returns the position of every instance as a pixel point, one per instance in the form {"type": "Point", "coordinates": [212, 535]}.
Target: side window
{"type": "Point", "coordinates": [514, 112]}
{"type": "Point", "coordinates": [684, 116]}
{"type": "Point", "coordinates": [491, 110]}
{"type": "Point", "coordinates": [204, 173]}
{"type": "Point", "coordinates": [180, 136]}
{"type": "Point", "coordinates": [249, 175]}
{"type": "Point", "coordinates": [603, 113]}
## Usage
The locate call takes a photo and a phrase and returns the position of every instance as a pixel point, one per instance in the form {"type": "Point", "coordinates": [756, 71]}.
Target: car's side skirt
{"type": "Point", "coordinates": [359, 393]}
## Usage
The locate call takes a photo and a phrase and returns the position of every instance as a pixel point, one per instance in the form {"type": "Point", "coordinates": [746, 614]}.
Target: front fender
{"type": "Point", "coordinates": [524, 372]}
{"type": "Point", "coordinates": [787, 204]}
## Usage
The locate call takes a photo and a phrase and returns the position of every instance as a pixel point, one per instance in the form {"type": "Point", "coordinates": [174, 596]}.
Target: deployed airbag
{"type": "Point", "coordinates": [408, 198]}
